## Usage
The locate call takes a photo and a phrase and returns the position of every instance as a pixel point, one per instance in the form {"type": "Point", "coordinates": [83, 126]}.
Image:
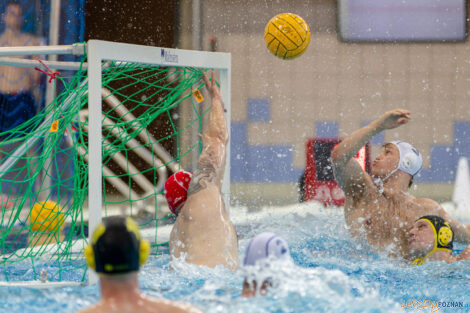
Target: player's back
{"type": "Point", "coordinates": [143, 305]}
{"type": "Point", "coordinates": [203, 231]}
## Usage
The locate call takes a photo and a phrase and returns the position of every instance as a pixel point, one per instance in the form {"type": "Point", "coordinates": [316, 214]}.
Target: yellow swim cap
{"type": "Point", "coordinates": [443, 236]}
{"type": "Point", "coordinates": [46, 216]}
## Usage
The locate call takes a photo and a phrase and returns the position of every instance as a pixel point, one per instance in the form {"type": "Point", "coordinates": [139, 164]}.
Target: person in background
{"type": "Point", "coordinates": [17, 85]}
{"type": "Point", "coordinates": [19, 97]}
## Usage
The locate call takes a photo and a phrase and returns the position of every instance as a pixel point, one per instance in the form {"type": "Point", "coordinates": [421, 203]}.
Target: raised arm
{"type": "Point", "coordinates": [348, 172]}
{"type": "Point", "coordinates": [211, 164]}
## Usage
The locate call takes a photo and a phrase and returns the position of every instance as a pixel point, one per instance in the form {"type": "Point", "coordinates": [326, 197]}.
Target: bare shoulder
{"type": "Point", "coordinates": [427, 203]}
{"type": "Point", "coordinates": [93, 309]}
{"type": "Point", "coordinates": [426, 206]}
{"type": "Point", "coordinates": [164, 305]}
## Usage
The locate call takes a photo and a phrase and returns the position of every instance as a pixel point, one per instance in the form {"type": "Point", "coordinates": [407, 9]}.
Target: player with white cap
{"type": "Point", "coordinates": [261, 250]}
{"type": "Point", "coordinates": [378, 206]}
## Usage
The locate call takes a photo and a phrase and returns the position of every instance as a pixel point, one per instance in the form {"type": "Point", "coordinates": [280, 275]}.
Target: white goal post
{"type": "Point", "coordinates": [98, 52]}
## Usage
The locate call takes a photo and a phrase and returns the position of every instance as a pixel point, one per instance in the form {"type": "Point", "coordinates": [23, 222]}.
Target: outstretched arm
{"type": "Point", "coordinates": [464, 255]}
{"type": "Point", "coordinates": [348, 173]}
{"type": "Point", "coordinates": [211, 164]}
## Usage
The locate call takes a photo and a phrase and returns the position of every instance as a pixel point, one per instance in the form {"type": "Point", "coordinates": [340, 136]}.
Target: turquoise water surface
{"type": "Point", "coordinates": [330, 273]}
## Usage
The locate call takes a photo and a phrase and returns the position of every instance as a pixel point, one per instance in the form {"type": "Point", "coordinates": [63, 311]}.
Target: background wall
{"type": "Point", "coordinates": [331, 90]}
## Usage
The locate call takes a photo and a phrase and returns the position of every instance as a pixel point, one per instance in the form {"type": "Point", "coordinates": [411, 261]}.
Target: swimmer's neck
{"type": "Point", "coordinates": [121, 288]}
{"type": "Point", "coordinates": [393, 184]}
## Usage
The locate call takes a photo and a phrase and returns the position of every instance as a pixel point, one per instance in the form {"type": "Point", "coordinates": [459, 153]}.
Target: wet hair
{"type": "Point", "coordinates": [411, 182]}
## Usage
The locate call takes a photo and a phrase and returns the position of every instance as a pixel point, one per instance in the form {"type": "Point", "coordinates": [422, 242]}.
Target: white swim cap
{"type": "Point", "coordinates": [411, 160]}
{"type": "Point", "coordinates": [264, 245]}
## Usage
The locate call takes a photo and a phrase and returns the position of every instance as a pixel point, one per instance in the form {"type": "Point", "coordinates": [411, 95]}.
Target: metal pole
{"type": "Point", "coordinates": [54, 23]}
{"type": "Point", "coordinates": [197, 29]}
{"type": "Point", "coordinates": [197, 45]}
{"type": "Point", "coordinates": [95, 187]}
{"type": "Point", "coordinates": [53, 41]}
{"type": "Point", "coordinates": [76, 49]}
{"type": "Point", "coordinates": [51, 90]}
{"type": "Point", "coordinates": [225, 91]}
{"type": "Point", "coordinates": [58, 65]}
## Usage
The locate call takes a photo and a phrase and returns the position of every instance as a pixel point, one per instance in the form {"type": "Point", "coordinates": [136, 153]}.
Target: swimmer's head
{"type": "Point", "coordinates": [116, 247]}
{"type": "Point", "coordinates": [263, 246]}
{"type": "Point", "coordinates": [260, 250]}
{"type": "Point", "coordinates": [176, 190]}
{"type": "Point", "coordinates": [13, 15]}
{"type": "Point", "coordinates": [430, 233]}
{"type": "Point", "coordinates": [46, 217]}
{"type": "Point", "coordinates": [411, 161]}
{"type": "Point", "coordinates": [397, 155]}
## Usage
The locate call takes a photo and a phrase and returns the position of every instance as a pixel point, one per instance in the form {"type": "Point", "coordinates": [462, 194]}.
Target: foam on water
{"type": "Point", "coordinates": [330, 273]}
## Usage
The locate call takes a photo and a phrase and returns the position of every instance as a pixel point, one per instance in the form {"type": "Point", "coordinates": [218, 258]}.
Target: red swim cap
{"type": "Point", "coordinates": [176, 189]}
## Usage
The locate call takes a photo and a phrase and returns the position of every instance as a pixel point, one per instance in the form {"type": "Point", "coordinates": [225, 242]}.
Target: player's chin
{"type": "Point", "coordinates": [414, 250]}
{"type": "Point", "coordinates": [416, 247]}
{"type": "Point", "coordinates": [376, 171]}
{"type": "Point", "coordinates": [412, 244]}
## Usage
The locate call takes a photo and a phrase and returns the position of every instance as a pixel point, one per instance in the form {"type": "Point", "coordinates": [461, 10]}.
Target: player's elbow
{"type": "Point", "coordinates": [221, 137]}
{"type": "Point", "coordinates": [217, 134]}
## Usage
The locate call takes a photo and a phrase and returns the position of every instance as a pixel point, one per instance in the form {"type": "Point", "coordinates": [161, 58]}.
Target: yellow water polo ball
{"type": "Point", "coordinates": [46, 216]}
{"type": "Point", "coordinates": [287, 35]}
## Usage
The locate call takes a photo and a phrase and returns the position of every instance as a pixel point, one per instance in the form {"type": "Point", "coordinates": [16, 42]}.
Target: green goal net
{"type": "Point", "coordinates": [44, 164]}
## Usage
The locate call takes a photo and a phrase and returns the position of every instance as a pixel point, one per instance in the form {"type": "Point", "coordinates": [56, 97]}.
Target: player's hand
{"type": "Point", "coordinates": [212, 86]}
{"type": "Point", "coordinates": [394, 118]}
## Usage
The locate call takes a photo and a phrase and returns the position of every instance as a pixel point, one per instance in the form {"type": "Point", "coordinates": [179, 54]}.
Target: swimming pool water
{"type": "Point", "coordinates": [330, 273]}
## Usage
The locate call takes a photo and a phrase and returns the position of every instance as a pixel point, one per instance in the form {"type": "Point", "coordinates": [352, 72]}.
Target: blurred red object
{"type": "Point", "coordinates": [318, 182]}
{"type": "Point", "coordinates": [5, 203]}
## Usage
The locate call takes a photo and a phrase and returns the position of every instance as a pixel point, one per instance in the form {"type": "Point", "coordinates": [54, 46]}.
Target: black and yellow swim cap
{"type": "Point", "coordinates": [443, 236]}
{"type": "Point", "coordinates": [116, 247]}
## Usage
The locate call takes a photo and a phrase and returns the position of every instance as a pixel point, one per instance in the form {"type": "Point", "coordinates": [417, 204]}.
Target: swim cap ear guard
{"type": "Point", "coordinates": [116, 247]}
{"type": "Point", "coordinates": [443, 236]}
